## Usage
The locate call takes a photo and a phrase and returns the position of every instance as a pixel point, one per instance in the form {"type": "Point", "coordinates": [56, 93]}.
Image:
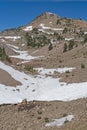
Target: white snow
{"type": "Point", "coordinates": [12, 46]}
{"type": "Point", "coordinates": [23, 62]}
{"type": "Point", "coordinates": [22, 54]}
{"type": "Point", "coordinates": [50, 33]}
{"type": "Point", "coordinates": [28, 28]}
{"type": "Point", "coordinates": [43, 71]}
{"type": "Point", "coordinates": [2, 40]}
{"type": "Point", "coordinates": [51, 13]}
{"type": "Point", "coordinates": [46, 88]}
{"type": "Point", "coordinates": [63, 70]}
{"type": "Point", "coordinates": [41, 24]}
{"type": "Point", "coordinates": [42, 30]}
{"type": "Point", "coordinates": [55, 29]}
{"type": "Point", "coordinates": [14, 38]}
{"type": "Point", "coordinates": [45, 27]}
{"type": "Point", "coordinates": [85, 32]}
{"type": "Point", "coordinates": [68, 39]}
{"type": "Point", "coordinates": [60, 122]}
{"type": "Point", "coordinates": [34, 51]}
{"type": "Point", "coordinates": [22, 45]}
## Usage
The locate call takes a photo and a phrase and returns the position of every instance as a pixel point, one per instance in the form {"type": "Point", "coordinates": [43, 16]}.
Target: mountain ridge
{"type": "Point", "coordinates": [47, 15]}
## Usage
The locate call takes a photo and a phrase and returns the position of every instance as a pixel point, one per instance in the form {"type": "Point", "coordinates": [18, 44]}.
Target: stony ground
{"type": "Point", "coordinates": [33, 117]}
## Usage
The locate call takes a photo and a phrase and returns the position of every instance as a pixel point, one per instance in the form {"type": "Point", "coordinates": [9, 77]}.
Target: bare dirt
{"type": "Point", "coordinates": [33, 117]}
{"type": "Point", "coordinates": [6, 79]}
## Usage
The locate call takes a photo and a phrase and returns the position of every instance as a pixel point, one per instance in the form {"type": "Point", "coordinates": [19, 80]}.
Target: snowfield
{"type": "Point", "coordinates": [39, 88]}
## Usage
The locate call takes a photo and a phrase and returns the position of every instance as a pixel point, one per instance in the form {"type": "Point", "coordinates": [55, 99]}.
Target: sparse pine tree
{"type": "Point", "coordinates": [65, 30]}
{"type": "Point", "coordinates": [71, 44]}
{"type": "Point", "coordinates": [85, 38]}
{"type": "Point", "coordinates": [3, 55]}
{"type": "Point", "coordinates": [50, 47]}
{"type": "Point", "coordinates": [58, 22]}
{"type": "Point", "coordinates": [65, 47]}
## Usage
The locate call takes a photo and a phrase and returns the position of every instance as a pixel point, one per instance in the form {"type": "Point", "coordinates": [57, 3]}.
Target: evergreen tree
{"type": "Point", "coordinates": [71, 44]}
{"type": "Point", "coordinates": [65, 30]}
{"type": "Point", "coordinates": [85, 38]}
{"type": "Point", "coordinates": [50, 47]}
{"type": "Point", "coordinates": [65, 47]}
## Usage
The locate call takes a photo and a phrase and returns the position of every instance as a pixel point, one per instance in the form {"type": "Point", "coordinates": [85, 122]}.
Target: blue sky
{"type": "Point", "coordinates": [18, 13]}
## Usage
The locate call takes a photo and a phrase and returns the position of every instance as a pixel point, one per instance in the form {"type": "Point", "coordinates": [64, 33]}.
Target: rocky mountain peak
{"type": "Point", "coordinates": [49, 14]}
{"type": "Point", "coordinates": [45, 18]}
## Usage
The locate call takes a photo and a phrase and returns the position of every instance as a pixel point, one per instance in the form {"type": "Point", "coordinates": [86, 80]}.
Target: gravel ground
{"type": "Point", "coordinates": [36, 114]}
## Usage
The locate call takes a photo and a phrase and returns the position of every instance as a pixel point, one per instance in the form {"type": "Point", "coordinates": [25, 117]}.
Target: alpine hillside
{"type": "Point", "coordinates": [43, 75]}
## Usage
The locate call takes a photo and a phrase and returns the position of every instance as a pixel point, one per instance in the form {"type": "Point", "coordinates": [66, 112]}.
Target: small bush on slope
{"type": "Point", "coordinates": [82, 66]}
{"type": "Point", "coordinates": [3, 55]}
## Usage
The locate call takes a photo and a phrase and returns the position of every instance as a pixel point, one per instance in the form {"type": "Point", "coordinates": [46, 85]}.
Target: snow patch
{"type": "Point", "coordinates": [14, 38]}
{"type": "Point", "coordinates": [61, 121]}
{"type": "Point", "coordinates": [25, 56]}
{"type": "Point", "coordinates": [12, 46]}
{"type": "Point", "coordinates": [22, 45]}
{"type": "Point", "coordinates": [29, 28]}
{"type": "Point", "coordinates": [23, 62]}
{"type": "Point", "coordinates": [50, 33]}
{"type": "Point", "coordinates": [42, 30]}
{"type": "Point", "coordinates": [55, 29]}
{"type": "Point", "coordinates": [34, 52]}
{"type": "Point", "coordinates": [50, 13]}
{"type": "Point", "coordinates": [68, 39]}
{"type": "Point", "coordinates": [45, 31]}
{"type": "Point", "coordinates": [43, 71]}
{"type": "Point", "coordinates": [2, 40]}
{"type": "Point", "coordinates": [85, 32]}
{"type": "Point", "coordinates": [22, 54]}
{"type": "Point", "coordinates": [41, 24]}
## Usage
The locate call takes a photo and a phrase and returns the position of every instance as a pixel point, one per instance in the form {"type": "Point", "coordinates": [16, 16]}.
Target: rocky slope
{"type": "Point", "coordinates": [35, 56]}
{"type": "Point", "coordinates": [62, 41]}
